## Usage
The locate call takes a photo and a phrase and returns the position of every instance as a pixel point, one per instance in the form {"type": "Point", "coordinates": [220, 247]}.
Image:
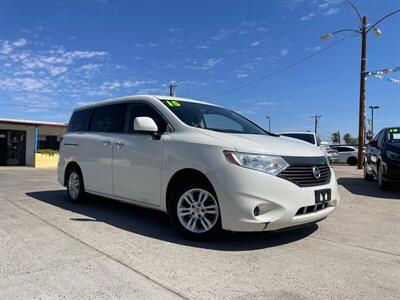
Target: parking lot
{"type": "Point", "coordinates": [102, 249]}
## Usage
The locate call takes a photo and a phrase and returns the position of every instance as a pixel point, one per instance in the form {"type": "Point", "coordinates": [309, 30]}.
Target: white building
{"type": "Point", "coordinates": [20, 139]}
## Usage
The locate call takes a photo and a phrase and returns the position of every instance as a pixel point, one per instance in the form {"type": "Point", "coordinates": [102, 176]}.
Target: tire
{"type": "Point", "coordinates": [352, 161]}
{"type": "Point", "coordinates": [75, 186]}
{"type": "Point", "coordinates": [382, 184]}
{"type": "Point", "coordinates": [199, 216]}
{"type": "Point", "coordinates": [367, 176]}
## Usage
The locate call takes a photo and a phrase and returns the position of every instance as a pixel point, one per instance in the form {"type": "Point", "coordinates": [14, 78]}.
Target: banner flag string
{"type": "Point", "coordinates": [381, 74]}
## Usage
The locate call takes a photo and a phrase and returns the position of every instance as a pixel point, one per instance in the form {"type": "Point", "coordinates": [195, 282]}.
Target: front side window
{"type": "Point", "coordinates": [302, 136]}
{"type": "Point", "coordinates": [106, 118]}
{"type": "Point", "coordinates": [212, 117]}
{"type": "Point", "coordinates": [79, 120]}
{"type": "Point", "coordinates": [394, 135]}
{"type": "Point", "coordinates": [139, 109]}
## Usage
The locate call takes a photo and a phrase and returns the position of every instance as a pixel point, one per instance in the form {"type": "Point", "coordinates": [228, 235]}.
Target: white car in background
{"type": "Point", "coordinates": [206, 166]}
{"type": "Point", "coordinates": [347, 154]}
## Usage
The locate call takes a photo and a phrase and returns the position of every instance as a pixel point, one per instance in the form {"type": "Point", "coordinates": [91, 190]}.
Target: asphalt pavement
{"type": "Point", "coordinates": [103, 249]}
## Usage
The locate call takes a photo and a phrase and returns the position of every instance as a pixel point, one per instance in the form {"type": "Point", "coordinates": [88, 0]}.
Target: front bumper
{"type": "Point", "coordinates": [241, 190]}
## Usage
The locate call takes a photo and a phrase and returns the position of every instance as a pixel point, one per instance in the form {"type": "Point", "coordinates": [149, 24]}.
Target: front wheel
{"type": "Point", "coordinates": [382, 184]}
{"type": "Point", "coordinates": [195, 212]}
{"type": "Point", "coordinates": [352, 161]}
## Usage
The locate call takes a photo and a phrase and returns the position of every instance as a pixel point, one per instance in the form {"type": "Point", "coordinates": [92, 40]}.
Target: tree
{"type": "Point", "coordinates": [335, 138]}
{"type": "Point", "coordinates": [349, 140]}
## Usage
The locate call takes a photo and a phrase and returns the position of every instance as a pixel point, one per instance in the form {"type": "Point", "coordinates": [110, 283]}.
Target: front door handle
{"type": "Point", "coordinates": [106, 143]}
{"type": "Point", "coordinates": [119, 145]}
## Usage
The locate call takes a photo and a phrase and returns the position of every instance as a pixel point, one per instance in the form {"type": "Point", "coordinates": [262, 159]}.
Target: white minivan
{"type": "Point", "coordinates": [206, 166]}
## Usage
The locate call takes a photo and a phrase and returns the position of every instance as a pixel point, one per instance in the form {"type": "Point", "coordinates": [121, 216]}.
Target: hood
{"type": "Point", "coordinates": [266, 144]}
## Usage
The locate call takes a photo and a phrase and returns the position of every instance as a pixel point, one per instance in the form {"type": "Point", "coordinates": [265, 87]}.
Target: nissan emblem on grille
{"type": "Point", "coordinates": [316, 172]}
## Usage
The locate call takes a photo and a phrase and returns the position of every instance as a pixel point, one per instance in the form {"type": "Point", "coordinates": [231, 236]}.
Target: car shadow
{"type": "Point", "coordinates": [155, 224]}
{"type": "Point", "coordinates": [359, 186]}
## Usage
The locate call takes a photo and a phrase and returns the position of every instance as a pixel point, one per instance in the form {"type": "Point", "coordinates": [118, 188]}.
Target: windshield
{"type": "Point", "coordinates": [301, 136]}
{"type": "Point", "coordinates": [212, 117]}
{"type": "Point", "coordinates": [394, 135]}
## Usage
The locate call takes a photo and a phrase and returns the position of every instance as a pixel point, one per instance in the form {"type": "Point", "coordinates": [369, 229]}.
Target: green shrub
{"type": "Point", "coordinates": [49, 152]}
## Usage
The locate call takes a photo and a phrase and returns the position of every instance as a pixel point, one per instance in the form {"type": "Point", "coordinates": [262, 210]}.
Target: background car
{"type": "Point", "coordinates": [307, 136]}
{"type": "Point", "coordinates": [347, 154]}
{"type": "Point", "coordinates": [382, 157]}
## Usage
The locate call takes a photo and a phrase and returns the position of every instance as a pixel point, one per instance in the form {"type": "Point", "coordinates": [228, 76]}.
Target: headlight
{"type": "Point", "coordinates": [393, 155]}
{"type": "Point", "coordinates": [265, 163]}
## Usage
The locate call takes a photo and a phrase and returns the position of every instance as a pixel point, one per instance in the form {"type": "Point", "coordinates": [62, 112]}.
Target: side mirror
{"type": "Point", "coordinates": [144, 125]}
{"type": "Point", "coordinates": [373, 144]}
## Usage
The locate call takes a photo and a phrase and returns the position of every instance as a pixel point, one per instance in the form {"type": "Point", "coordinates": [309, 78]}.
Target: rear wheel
{"type": "Point", "coordinates": [352, 161]}
{"type": "Point", "coordinates": [195, 212]}
{"type": "Point", "coordinates": [382, 184]}
{"type": "Point", "coordinates": [367, 176]}
{"type": "Point", "coordinates": [75, 186]}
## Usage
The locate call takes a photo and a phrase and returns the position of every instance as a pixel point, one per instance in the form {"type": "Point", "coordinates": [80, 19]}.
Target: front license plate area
{"type": "Point", "coordinates": [322, 196]}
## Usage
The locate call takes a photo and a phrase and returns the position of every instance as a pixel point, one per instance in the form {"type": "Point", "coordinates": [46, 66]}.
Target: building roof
{"type": "Point", "coordinates": [32, 123]}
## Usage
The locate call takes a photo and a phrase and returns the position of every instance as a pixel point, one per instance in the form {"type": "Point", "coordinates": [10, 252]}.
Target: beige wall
{"type": "Point", "coordinates": [30, 131]}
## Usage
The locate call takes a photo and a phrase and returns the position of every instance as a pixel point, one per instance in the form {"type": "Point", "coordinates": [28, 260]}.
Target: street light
{"type": "Point", "coordinates": [372, 107]}
{"type": "Point", "coordinates": [269, 123]}
{"type": "Point", "coordinates": [363, 31]}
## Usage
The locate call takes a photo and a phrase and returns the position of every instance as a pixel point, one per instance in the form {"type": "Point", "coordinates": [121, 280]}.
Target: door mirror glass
{"type": "Point", "coordinates": [144, 125]}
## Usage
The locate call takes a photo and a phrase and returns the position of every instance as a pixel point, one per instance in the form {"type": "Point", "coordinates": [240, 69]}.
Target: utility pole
{"type": "Point", "coordinates": [172, 86]}
{"type": "Point", "coordinates": [269, 123]}
{"type": "Point", "coordinates": [363, 30]}
{"type": "Point", "coordinates": [372, 107]}
{"type": "Point", "coordinates": [316, 117]}
{"type": "Point", "coordinates": [361, 117]}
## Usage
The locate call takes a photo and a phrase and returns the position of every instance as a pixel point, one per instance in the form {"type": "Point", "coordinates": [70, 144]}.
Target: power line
{"type": "Point", "coordinates": [280, 70]}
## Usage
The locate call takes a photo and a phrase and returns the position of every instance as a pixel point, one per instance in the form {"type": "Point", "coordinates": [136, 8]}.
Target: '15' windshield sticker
{"type": "Point", "coordinates": [393, 130]}
{"type": "Point", "coordinates": [173, 103]}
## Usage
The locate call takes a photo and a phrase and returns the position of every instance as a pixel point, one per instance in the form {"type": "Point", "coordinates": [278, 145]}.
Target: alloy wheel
{"type": "Point", "coordinates": [74, 185]}
{"type": "Point", "coordinates": [197, 210]}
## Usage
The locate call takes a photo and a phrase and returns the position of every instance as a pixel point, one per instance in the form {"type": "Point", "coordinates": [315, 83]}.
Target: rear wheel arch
{"type": "Point", "coordinates": [69, 166]}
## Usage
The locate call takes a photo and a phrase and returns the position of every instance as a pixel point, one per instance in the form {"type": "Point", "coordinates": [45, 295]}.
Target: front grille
{"type": "Point", "coordinates": [303, 175]}
{"type": "Point", "coordinates": [312, 208]}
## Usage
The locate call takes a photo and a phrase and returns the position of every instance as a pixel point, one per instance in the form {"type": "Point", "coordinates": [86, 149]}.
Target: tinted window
{"type": "Point", "coordinates": [212, 117]}
{"type": "Point", "coordinates": [106, 118]}
{"type": "Point", "coordinates": [79, 120]}
{"type": "Point", "coordinates": [394, 135]}
{"type": "Point", "coordinates": [381, 139]}
{"type": "Point", "coordinates": [138, 109]}
{"type": "Point", "coordinates": [301, 136]}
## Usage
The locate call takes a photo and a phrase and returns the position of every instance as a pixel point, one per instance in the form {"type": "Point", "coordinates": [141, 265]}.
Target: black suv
{"type": "Point", "coordinates": [382, 158]}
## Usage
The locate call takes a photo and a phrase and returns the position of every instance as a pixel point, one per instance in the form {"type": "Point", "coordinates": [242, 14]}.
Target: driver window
{"type": "Point", "coordinates": [138, 109]}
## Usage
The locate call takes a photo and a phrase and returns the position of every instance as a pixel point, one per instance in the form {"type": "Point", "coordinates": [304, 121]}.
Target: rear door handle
{"type": "Point", "coordinates": [106, 143]}
{"type": "Point", "coordinates": [119, 145]}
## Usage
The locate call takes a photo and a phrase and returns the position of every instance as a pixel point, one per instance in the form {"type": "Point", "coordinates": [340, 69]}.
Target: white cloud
{"type": "Point", "coordinates": [174, 30]}
{"type": "Point", "coordinates": [152, 45]}
{"type": "Point", "coordinates": [241, 75]}
{"type": "Point", "coordinates": [206, 65]}
{"type": "Point", "coordinates": [331, 11]}
{"type": "Point", "coordinates": [307, 17]}
{"type": "Point", "coordinates": [284, 52]}
{"type": "Point", "coordinates": [29, 84]}
{"type": "Point", "coordinates": [112, 85]}
{"type": "Point", "coordinates": [221, 34]}
{"type": "Point", "coordinates": [256, 43]}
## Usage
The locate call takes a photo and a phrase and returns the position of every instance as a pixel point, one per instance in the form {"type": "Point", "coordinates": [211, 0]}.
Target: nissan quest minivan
{"type": "Point", "coordinates": [208, 167]}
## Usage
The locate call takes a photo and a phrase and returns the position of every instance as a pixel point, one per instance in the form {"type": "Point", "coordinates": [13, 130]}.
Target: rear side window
{"type": "Point", "coordinates": [106, 118]}
{"type": "Point", "coordinates": [79, 120]}
{"type": "Point", "coordinates": [139, 109]}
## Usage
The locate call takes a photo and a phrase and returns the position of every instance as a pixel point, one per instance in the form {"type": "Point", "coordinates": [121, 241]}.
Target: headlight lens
{"type": "Point", "coordinates": [393, 156]}
{"type": "Point", "coordinates": [269, 164]}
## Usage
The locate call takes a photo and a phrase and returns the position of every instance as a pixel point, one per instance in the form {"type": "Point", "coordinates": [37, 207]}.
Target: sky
{"type": "Point", "coordinates": [56, 55]}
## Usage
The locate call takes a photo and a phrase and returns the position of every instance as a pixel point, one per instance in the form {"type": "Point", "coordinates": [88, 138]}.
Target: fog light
{"type": "Point", "coordinates": [256, 211]}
